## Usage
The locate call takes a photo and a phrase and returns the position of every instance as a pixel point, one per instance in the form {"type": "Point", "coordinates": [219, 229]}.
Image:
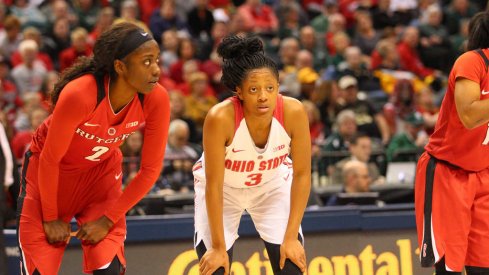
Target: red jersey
{"type": "Point", "coordinates": [451, 141]}
{"type": "Point", "coordinates": [81, 133]}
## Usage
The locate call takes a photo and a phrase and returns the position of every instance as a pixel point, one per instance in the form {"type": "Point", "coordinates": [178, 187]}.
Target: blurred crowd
{"type": "Point", "coordinates": [371, 73]}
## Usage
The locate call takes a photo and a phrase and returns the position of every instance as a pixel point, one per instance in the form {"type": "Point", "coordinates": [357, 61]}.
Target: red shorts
{"type": "Point", "coordinates": [83, 195]}
{"type": "Point", "coordinates": [452, 208]}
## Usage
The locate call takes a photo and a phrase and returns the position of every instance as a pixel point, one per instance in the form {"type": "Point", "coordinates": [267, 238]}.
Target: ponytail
{"type": "Point", "coordinates": [84, 65]}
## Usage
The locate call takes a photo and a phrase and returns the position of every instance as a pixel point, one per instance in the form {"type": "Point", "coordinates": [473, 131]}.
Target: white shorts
{"type": "Point", "coordinates": [268, 206]}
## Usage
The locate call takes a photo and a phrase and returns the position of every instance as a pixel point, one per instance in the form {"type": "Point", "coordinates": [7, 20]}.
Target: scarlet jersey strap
{"type": "Point", "coordinates": [238, 111]}
{"type": "Point", "coordinates": [279, 110]}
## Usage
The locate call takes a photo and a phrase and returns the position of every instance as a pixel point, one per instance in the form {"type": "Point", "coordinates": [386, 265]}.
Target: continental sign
{"type": "Point", "coordinates": [369, 261]}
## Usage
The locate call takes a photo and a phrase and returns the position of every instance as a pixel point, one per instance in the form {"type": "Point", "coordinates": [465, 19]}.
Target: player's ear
{"type": "Point", "coordinates": [239, 93]}
{"type": "Point", "coordinates": [119, 67]}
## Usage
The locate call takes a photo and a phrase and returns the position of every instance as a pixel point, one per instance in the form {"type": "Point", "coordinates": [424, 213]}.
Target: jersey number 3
{"type": "Point", "coordinates": [99, 150]}
{"type": "Point", "coordinates": [255, 179]}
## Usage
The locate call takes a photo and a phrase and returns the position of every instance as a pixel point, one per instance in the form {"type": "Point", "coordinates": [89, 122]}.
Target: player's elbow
{"type": "Point", "coordinates": [469, 122]}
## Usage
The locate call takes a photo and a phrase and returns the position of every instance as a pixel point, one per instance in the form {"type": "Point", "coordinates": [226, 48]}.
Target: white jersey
{"type": "Point", "coordinates": [245, 164]}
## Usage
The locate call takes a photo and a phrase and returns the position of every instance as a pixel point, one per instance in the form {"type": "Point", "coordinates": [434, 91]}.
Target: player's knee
{"type": "Point", "coordinates": [219, 271]}
{"type": "Point", "coordinates": [441, 270]}
{"type": "Point", "coordinates": [113, 269]}
{"type": "Point", "coordinates": [474, 270]}
{"type": "Point", "coordinates": [290, 268]}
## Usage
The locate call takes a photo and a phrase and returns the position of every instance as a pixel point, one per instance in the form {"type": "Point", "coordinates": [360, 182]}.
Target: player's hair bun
{"type": "Point", "coordinates": [236, 46]}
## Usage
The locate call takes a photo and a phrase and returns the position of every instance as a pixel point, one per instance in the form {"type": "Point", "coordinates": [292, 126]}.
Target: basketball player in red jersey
{"type": "Point", "coordinates": [452, 177]}
{"type": "Point", "coordinates": [247, 141]}
{"type": "Point", "coordinates": [73, 168]}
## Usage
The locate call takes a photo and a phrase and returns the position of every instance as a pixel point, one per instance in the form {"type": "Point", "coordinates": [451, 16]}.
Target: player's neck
{"type": "Point", "coordinates": [120, 94]}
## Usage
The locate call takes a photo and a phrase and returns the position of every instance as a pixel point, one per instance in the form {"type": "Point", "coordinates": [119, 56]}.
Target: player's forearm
{"type": "Point", "coordinates": [299, 195]}
{"type": "Point", "coordinates": [214, 203]}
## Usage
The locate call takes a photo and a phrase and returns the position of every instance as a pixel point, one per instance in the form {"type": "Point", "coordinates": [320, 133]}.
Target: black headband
{"type": "Point", "coordinates": [132, 41]}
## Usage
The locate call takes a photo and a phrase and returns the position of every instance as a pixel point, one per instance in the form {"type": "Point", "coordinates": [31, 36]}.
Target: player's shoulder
{"type": "Point", "coordinates": [222, 111]}
{"type": "Point", "coordinates": [472, 57]}
{"type": "Point", "coordinates": [80, 91]}
{"type": "Point", "coordinates": [86, 81]}
{"type": "Point", "coordinates": [292, 105]}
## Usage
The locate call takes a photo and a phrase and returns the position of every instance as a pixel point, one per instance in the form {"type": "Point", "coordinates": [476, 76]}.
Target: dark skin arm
{"type": "Point", "coordinates": [297, 126]}
{"type": "Point", "coordinates": [216, 135]}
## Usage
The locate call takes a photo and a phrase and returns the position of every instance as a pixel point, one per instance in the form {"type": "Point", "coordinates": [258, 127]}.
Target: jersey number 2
{"type": "Point", "coordinates": [255, 179]}
{"type": "Point", "coordinates": [99, 150]}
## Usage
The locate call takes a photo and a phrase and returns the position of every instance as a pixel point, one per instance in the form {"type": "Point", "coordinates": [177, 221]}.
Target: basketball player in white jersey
{"type": "Point", "coordinates": [245, 166]}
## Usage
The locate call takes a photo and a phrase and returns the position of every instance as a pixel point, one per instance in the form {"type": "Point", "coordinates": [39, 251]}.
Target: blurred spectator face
{"type": "Point", "coordinates": [202, 4]}
{"type": "Point", "coordinates": [312, 112]}
{"type": "Point", "coordinates": [177, 104]}
{"type": "Point", "coordinates": [435, 17]}
{"type": "Point", "coordinates": [219, 31]}
{"type": "Point", "coordinates": [356, 177]}
{"type": "Point", "coordinates": [460, 5]}
{"type": "Point", "coordinates": [29, 55]}
{"type": "Point", "coordinates": [135, 141]}
{"type": "Point", "coordinates": [308, 38]}
{"type": "Point", "coordinates": [348, 127]}
{"type": "Point", "coordinates": [413, 130]}
{"type": "Point", "coordinates": [170, 40]}
{"type": "Point", "coordinates": [179, 138]}
{"type": "Point", "coordinates": [426, 98]}
{"type": "Point", "coordinates": [31, 101]}
{"type": "Point", "coordinates": [362, 149]}
{"type": "Point", "coordinates": [106, 18]}
{"type": "Point", "coordinates": [12, 32]}
{"type": "Point", "coordinates": [292, 15]}
{"type": "Point", "coordinates": [37, 116]}
{"type": "Point", "coordinates": [4, 69]}
{"type": "Point", "coordinates": [341, 41]}
{"type": "Point", "coordinates": [60, 9]}
{"type": "Point", "coordinates": [167, 10]}
{"type": "Point", "coordinates": [85, 4]}
{"type": "Point", "coordinates": [61, 28]}
{"type": "Point", "coordinates": [189, 68]}
{"type": "Point", "coordinates": [362, 179]}
{"type": "Point", "coordinates": [304, 59]}
{"type": "Point", "coordinates": [350, 93]}
{"type": "Point", "coordinates": [20, 3]}
{"type": "Point", "coordinates": [129, 10]}
{"type": "Point", "coordinates": [364, 22]}
{"type": "Point", "coordinates": [198, 83]}
{"type": "Point", "coordinates": [80, 42]}
{"type": "Point", "coordinates": [289, 50]}
{"type": "Point", "coordinates": [411, 36]}
{"type": "Point", "coordinates": [391, 53]}
{"type": "Point", "coordinates": [33, 34]}
{"type": "Point", "coordinates": [353, 57]}
{"type": "Point", "coordinates": [186, 49]}
{"type": "Point", "coordinates": [384, 4]}
{"type": "Point", "coordinates": [336, 23]}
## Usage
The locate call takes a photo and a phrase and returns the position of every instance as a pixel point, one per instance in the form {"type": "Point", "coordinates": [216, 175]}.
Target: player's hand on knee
{"type": "Point", "coordinates": [57, 232]}
{"type": "Point", "coordinates": [212, 260]}
{"type": "Point", "coordinates": [95, 231]}
{"type": "Point", "coordinates": [294, 251]}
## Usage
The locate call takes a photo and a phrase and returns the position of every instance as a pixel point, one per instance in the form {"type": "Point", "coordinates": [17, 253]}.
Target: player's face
{"type": "Point", "coordinates": [259, 91]}
{"type": "Point", "coordinates": [142, 67]}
